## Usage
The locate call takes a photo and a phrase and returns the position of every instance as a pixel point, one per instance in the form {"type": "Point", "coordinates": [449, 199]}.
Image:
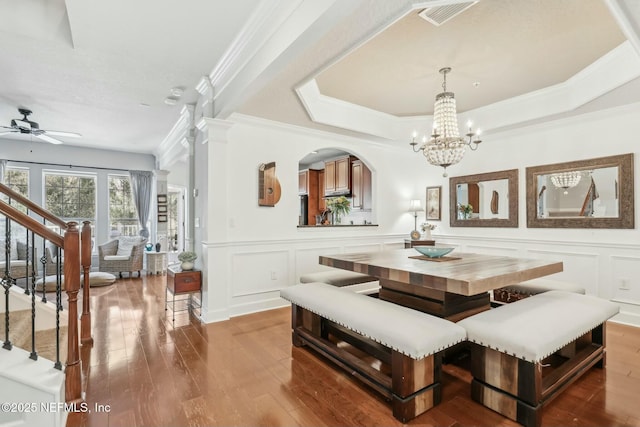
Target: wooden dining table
{"type": "Point", "coordinates": [452, 287]}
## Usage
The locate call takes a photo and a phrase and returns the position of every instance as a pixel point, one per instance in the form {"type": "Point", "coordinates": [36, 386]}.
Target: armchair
{"type": "Point", "coordinates": [123, 254]}
{"type": "Point", "coordinates": [18, 259]}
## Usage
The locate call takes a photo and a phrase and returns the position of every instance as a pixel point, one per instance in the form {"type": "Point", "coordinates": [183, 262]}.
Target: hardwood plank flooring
{"type": "Point", "coordinates": [245, 372]}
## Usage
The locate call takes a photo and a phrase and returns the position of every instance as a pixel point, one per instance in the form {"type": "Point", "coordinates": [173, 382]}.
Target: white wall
{"type": "Point", "coordinates": [259, 250]}
{"type": "Point", "coordinates": [253, 251]}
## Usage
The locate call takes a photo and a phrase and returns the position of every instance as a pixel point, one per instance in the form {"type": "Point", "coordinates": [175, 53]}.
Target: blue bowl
{"type": "Point", "coordinates": [434, 251]}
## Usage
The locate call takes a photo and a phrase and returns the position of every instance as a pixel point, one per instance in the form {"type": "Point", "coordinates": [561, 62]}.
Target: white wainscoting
{"type": "Point", "coordinates": [259, 269]}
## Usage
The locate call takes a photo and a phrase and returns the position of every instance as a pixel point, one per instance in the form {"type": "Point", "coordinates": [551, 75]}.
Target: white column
{"type": "Point", "coordinates": [213, 220]}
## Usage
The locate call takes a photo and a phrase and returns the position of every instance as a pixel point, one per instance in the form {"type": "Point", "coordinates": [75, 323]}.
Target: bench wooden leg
{"type": "Point", "coordinates": [306, 319]}
{"type": "Point", "coordinates": [517, 389]}
{"type": "Point", "coordinates": [415, 384]}
{"type": "Point", "coordinates": [507, 405]}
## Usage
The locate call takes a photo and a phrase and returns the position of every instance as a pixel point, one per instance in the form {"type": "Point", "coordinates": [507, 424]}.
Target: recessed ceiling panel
{"type": "Point", "coordinates": [497, 50]}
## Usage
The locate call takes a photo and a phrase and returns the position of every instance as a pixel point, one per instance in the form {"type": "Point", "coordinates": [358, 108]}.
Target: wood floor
{"type": "Point", "coordinates": [244, 372]}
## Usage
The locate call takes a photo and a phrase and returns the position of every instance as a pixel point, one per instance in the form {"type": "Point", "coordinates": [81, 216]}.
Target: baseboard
{"type": "Point", "coordinates": [627, 319]}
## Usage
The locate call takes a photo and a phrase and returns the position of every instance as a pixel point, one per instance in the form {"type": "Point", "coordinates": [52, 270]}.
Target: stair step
{"type": "Point", "coordinates": [20, 335]}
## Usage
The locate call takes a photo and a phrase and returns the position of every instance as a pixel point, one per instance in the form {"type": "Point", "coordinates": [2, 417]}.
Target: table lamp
{"type": "Point", "coordinates": [415, 206]}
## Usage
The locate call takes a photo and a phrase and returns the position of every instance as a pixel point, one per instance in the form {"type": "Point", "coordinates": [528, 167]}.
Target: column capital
{"type": "Point", "coordinates": [215, 130]}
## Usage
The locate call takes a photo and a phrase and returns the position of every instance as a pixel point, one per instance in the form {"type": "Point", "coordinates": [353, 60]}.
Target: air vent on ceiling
{"type": "Point", "coordinates": [440, 14]}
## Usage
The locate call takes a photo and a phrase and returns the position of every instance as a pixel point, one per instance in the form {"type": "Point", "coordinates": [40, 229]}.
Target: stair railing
{"type": "Point", "coordinates": [77, 252]}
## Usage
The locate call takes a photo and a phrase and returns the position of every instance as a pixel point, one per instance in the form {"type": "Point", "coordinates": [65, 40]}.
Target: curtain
{"type": "Point", "coordinates": [3, 167]}
{"type": "Point", "coordinates": [141, 187]}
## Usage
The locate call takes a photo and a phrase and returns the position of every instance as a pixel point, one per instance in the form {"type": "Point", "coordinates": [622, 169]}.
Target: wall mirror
{"type": "Point", "coordinates": [484, 200]}
{"type": "Point", "coordinates": [594, 193]}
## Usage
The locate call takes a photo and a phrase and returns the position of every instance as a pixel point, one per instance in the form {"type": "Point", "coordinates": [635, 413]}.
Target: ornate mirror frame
{"type": "Point", "coordinates": [625, 219]}
{"type": "Point", "coordinates": [510, 175]}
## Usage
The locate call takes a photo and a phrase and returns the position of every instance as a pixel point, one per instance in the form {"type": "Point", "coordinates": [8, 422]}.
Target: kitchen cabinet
{"type": "Point", "coordinates": [322, 204]}
{"type": "Point", "coordinates": [360, 186]}
{"type": "Point", "coordinates": [337, 176]}
{"type": "Point", "coordinates": [303, 182]}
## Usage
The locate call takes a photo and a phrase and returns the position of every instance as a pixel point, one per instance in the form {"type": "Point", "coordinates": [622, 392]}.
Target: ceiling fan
{"type": "Point", "coordinates": [29, 127]}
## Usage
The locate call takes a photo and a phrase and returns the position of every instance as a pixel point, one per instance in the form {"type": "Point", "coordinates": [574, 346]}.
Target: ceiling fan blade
{"type": "Point", "coordinates": [62, 133]}
{"type": "Point", "coordinates": [48, 139]}
{"type": "Point", "coordinates": [6, 133]}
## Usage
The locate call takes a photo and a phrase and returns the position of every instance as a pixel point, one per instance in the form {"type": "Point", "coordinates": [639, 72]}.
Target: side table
{"type": "Point", "coordinates": [183, 282]}
{"type": "Point", "coordinates": [156, 262]}
{"type": "Point", "coordinates": [408, 243]}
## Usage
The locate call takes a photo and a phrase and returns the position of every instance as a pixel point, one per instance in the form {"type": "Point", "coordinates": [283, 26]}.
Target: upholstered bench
{"type": "Point", "coordinates": [409, 342]}
{"type": "Point", "coordinates": [525, 353]}
{"type": "Point", "coordinates": [337, 277]}
{"type": "Point", "coordinates": [96, 279]}
{"type": "Point", "coordinates": [533, 287]}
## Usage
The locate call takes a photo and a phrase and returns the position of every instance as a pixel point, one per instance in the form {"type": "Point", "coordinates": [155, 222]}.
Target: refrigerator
{"type": "Point", "coordinates": [304, 210]}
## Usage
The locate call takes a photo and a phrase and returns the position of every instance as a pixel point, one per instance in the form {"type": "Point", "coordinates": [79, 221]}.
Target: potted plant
{"type": "Point", "coordinates": [339, 206]}
{"type": "Point", "coordinates": [426, 229]}
{"type": "Point", "coordinates": [187, 258]}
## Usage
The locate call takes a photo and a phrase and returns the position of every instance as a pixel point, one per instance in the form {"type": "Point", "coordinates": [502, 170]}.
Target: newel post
{"type": "Point", "coordinates": [73, 373]}
{"type": "Point", "coordinates": [85, 320]}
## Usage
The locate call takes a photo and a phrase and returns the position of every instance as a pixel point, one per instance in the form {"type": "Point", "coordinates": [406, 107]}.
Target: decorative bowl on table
{"type": "Point", "coordinates": [434, 251]}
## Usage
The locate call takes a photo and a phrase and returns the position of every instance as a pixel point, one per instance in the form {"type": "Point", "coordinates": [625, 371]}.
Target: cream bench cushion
{"type": "Point", "coordinates": [407, 331]}
{"type": "Point", "coordinates": [337, 277]}
{"type": "Point", "coordinates": [536, 327]}
{"type": "Point", "coordinates": [537, 286]}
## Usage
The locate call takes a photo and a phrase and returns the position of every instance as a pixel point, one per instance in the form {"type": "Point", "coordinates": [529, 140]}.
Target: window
{"type": "Point", "coordinates": [71, 197]}
{"type": "Point", "coordinates": [18, 180]}
{"type": "Point", "coordinates": [123, 219]}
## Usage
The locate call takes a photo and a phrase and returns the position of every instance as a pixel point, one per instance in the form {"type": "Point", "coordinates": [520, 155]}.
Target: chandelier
{"type": "Point", "coordinates": [566, 180]}
{"type": "Point", "coordinates": [445, 147]}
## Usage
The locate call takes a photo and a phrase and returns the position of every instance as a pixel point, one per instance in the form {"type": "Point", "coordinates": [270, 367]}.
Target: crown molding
{"type": "Point", "coordinates": [304, 131]}
{"type": "Point", "coordinates": [614, 69]}
{"type": "Point", "coordinates": [172, 149]}
{"type": "Point", "coordinates": [627, 15]}
{"type": "Point", "coordinates": [214, 130]}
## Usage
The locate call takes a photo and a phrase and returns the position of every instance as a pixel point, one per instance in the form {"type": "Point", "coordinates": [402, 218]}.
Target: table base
{"type": "Point", "coordinates": [450, 306]}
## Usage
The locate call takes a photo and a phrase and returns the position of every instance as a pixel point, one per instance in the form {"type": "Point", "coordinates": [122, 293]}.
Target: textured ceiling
{"type": "Point", "coordinates": [103, 69]}
{"type": "Point", "coordinates": [507, 48]}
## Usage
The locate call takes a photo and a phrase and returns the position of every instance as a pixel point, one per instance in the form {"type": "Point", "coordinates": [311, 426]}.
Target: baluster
{"type": "Point", "coordinates": [58, 364]}
{"type": "Point", "coordinates": [59, 278]}
{"type": "Point", "coordinates": [33, 355]}
{"type": "Point", "coordinates": [27, 256]}
{"type": "Point", "coordinates": [7, 281]}
{"type": "Point", "coordinates": [43, 261]}
{"type": "Point", "coordinates": [85, 323]}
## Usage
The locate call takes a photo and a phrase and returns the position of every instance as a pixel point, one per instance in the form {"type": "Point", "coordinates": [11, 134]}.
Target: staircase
{"type": "Point", "coordinates": [36, 334]}
{"type": "Point", "coordinates": [33, 382]}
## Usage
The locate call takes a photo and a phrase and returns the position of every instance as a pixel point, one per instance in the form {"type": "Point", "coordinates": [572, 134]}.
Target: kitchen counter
{"type": "Point", "coordinates": [337, 225]}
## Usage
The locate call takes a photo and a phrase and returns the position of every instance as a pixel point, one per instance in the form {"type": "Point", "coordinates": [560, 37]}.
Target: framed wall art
{"type": "Point", "coordinates": [434, 204]}
{"type": "Point", "coordinates": [162, 218]}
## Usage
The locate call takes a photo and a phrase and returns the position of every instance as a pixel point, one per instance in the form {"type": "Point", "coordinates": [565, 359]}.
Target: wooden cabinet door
{"type": "Point", "coordinates": [343, 175]}
{"type": "Point", "coordinates": [360, 185]}
{"type": "Point", "coordinates": [356, 184]}
{"type": "Point", "coordinates": [303, 182]}
{"type": "Point", "coordinates": [329, 177]}
{"type": "Point", "coordinates": [322, 206]}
